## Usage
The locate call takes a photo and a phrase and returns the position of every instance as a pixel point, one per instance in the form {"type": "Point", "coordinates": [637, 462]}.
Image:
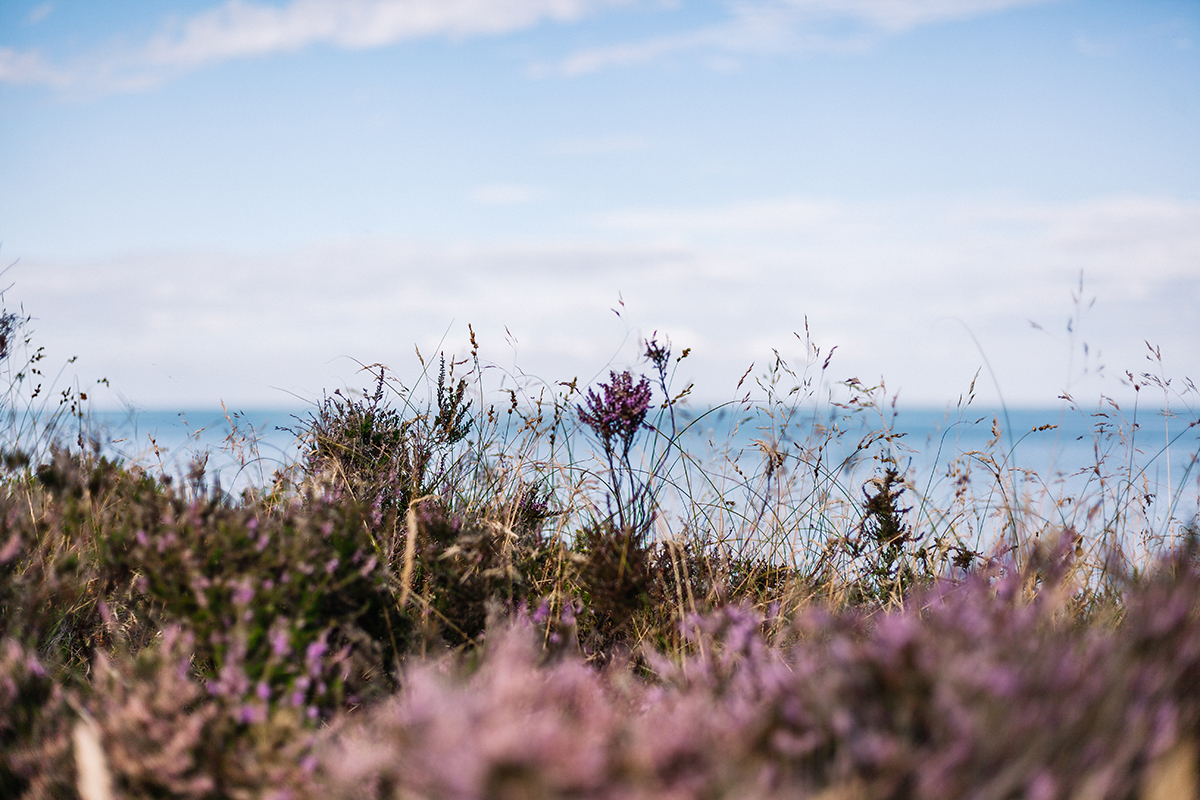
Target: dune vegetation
{"type": "Point", "coordinates": [559, 591]}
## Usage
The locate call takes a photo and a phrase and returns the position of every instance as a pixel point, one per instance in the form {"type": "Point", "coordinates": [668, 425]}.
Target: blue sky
{"type": "Point", "coordinates": [238, 201]}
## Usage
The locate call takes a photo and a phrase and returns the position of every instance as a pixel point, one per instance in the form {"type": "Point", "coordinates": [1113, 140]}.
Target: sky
{"type": "Point", "coordinates": [244, 202]}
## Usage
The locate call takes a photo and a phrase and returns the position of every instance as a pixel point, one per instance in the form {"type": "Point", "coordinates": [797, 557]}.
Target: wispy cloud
{"type": "Point", "coordinates": [757, 217]}
{"type": "Point", "coordinates": [777, 26]}
{"type": "Point", "coordinates": [239, 29]}
{"type": "Point", "coordinates": [27, 67]}
{"type": "Point", "coordinates": [39, 13]}
{"type": "Point", "coordinates": [896, 289]}
{"type": "Point", "coordinates": [506, 194]}
{"type": "Point", "coordinates": [600, 145]}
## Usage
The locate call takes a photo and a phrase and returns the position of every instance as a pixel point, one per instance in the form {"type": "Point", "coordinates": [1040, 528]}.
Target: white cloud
{"type": "Point", "coordinates": [1123, 239]}
{"type": "Point", "coordinates": [39, 13]}
{"type": "Point", "coordinates": [507, 194]}
{"type": "Point", "coordinates": [601, 145]}
{"type": "Point", "coordinates": [773, 215]}
{"type": "Point", "coordinates": [776, 26]}
{"type": "Point", "coordinates": [896, 286]}
{"type": "Point", "coordinates": [241, 29]}
{"type": "Point", "coordinates": [595, 59]}
{"type": "Point", "coordinates": [28, 67]}
{"type": "Point", "coordinates": [238, 29]}
{"type": "Point", "coordinates": [890, 15]}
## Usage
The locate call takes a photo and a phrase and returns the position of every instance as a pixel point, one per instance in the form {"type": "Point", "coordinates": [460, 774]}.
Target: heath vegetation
{"type": "Point", "coordinates": [547, 590]}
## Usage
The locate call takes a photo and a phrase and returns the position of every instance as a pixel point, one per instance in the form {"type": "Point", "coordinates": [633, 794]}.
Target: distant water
{"type": "Point", "coordinates": [1139, 477]}
{"type": "Point", "coordinates": [1048, 441]}
{"type": "Point", "coordinates": [1061, 447]}
{"type": "Point", "coordinates": [242, 448]}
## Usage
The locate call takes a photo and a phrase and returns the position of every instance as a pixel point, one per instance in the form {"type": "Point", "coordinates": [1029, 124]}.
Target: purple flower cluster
{"type": "Point", "coordinates": [617, 416]}
{"type": "Point", "coordinates": [977, 689]}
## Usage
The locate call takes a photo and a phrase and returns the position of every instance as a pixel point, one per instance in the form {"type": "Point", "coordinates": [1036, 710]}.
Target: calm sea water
{"type": "Point", "coordinates": [1049, 441]}
{"type": "Point", "coordinates": [1059, 448]}
{"type": "Point", "coordinates": [242, 448]}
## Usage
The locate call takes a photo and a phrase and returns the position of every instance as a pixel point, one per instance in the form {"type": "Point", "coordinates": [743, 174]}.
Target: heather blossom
{"type": "Point", "coordinates": [620, 413]}
{"type": "Point", "coordinates": [616, 418]}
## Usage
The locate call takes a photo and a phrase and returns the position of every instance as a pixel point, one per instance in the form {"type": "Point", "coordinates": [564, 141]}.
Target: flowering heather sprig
{"type": "Point", "coordinates": [617, 416]}
{"type": "Point", "coordinates": [620, 413]}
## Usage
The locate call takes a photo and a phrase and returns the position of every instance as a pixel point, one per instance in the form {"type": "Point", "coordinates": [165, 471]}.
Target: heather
{"type": "Point", "coordinates": [469, 587]}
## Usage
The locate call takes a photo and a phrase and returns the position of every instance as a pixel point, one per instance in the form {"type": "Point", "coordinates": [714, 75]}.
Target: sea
{"type": "Point", "coordinates": [1150, 457]}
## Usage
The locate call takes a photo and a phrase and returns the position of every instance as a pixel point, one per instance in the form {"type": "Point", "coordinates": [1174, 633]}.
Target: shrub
{"type": "Point", "coordinates": [381, 457]}
{"type": "Point", "coordinates": [466, 572]}
{"type": "Point", "coordinates": [34, 732]}
{"type": "Point", "coordinates": [977, 688]}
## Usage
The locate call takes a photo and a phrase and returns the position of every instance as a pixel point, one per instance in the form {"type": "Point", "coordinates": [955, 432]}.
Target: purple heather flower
{"type": "Point", "coordinates": [621, 411]}
{"type": "Point", "coordinates": [251, 713]}
{"type": "Point", "coordinates": [279, 642]}
{"type": "Point", "coordinates": [34, 666]}
{"type": "Point", "coordinates": [543, 612]}
{"type": "Point", "coordinates": [313, 653]}
{"type": "Point", "coordinates": [1042, 787]}
{"type": "Point", "coordinates": [13, 546]}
